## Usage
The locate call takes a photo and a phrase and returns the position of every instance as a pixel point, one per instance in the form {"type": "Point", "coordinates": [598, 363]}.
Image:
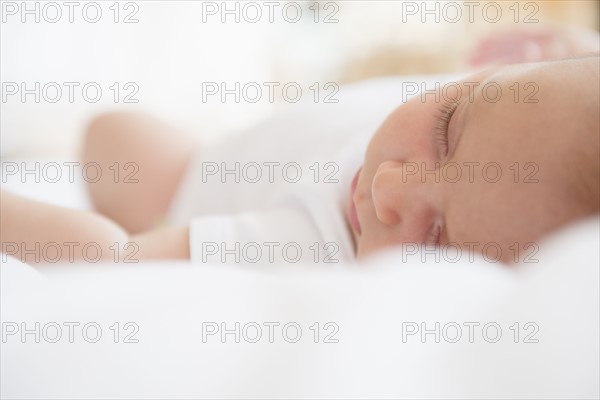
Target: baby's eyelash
{"type": "Point", "coordinates": [434, 235]}
{"type": "Point", "coordinates": [441, 131]}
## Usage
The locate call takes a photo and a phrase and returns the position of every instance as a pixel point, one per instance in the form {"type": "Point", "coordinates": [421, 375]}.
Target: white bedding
{"type": "Point", "coordinates": [170, 301]}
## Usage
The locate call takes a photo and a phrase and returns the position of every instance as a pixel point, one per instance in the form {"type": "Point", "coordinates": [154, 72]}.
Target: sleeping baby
{"type": "Point", "coordinates": [469, 169]}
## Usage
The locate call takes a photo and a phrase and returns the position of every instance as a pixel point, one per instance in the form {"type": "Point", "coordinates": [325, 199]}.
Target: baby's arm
{"type": "Point", "coordinates": [39, 233]}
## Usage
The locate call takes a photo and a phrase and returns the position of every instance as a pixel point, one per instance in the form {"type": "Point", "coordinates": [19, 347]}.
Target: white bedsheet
{"type": "Point", "coordinates": [169, 302]}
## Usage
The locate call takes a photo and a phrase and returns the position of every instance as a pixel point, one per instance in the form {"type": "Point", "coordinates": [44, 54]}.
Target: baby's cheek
{"type": "Point", "coordinates": [470, 216]}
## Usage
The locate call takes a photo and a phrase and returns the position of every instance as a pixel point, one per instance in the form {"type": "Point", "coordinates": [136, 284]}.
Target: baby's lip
{"type": "Point", "coordinates": [352, 214]}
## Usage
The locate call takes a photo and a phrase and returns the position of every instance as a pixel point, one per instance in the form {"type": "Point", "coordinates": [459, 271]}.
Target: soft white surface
{"type": "Point", "coordinates": [169, 301]}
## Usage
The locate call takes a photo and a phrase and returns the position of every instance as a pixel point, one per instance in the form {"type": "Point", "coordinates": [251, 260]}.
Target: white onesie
{"type": "Point", "coordinates": [278, 192]}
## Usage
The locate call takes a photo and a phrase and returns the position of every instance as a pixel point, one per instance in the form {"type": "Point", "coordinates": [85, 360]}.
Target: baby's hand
{"type": "Point", "coordinates": [534, 44]}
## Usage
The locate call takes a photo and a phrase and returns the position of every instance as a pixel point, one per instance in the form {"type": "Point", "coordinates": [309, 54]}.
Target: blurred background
{"type": "Point", "coordinates": [159, 54]}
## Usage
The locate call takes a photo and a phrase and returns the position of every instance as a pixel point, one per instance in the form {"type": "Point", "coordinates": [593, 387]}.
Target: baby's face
{"type": "Point", "coordinates": [508, 171]}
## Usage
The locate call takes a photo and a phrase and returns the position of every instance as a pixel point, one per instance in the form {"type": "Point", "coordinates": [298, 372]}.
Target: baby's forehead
{"type": "Point", "coordinates": [557, 94]}
{"type": "Point", "coordinates": [530, 114]}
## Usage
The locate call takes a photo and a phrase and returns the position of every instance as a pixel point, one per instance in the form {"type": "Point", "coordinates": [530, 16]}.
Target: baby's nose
{"type": "Point", "coordinates": [398, 192]}
{"type": "Point", "coordinates": [386, 192]}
